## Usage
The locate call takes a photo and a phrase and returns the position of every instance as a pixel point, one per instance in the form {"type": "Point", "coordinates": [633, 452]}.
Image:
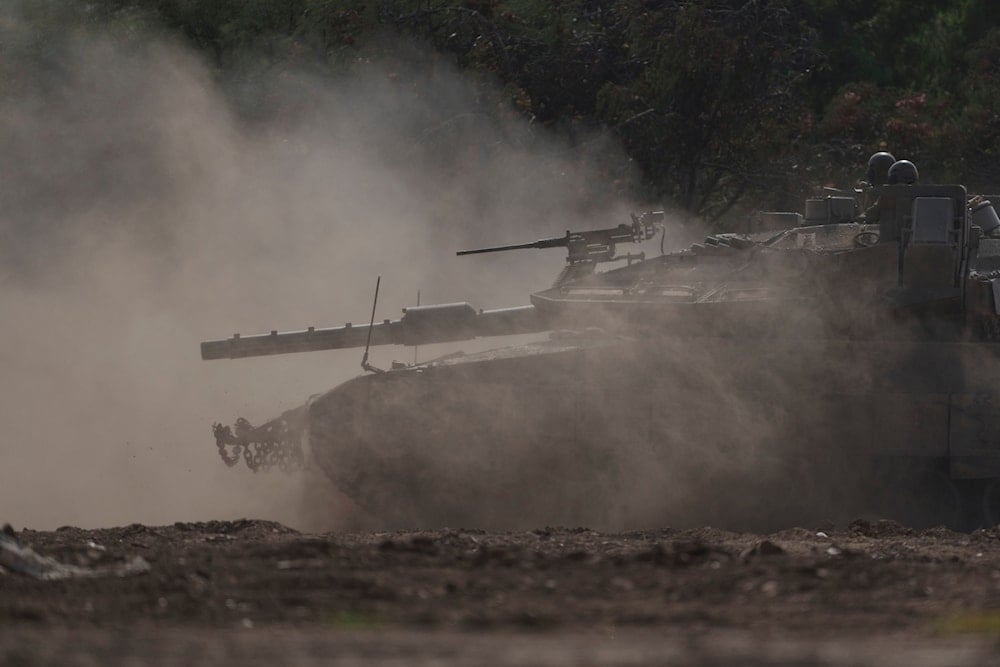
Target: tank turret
{"type": "Point", "coordinates": [448, 322]}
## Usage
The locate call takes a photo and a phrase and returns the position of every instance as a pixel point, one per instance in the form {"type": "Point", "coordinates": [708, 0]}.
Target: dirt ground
{"type": "Point", "coordinates": [255, 592]}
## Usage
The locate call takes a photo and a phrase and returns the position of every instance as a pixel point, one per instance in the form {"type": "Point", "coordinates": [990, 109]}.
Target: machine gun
{"type": "Point", "coordinates": [592, 246]}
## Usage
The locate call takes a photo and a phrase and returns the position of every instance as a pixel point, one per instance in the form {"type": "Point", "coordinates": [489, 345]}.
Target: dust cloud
{"type": "Point", "coordinates": [150, 203]}
{"type": "Point", "coordinates": [146, 209]}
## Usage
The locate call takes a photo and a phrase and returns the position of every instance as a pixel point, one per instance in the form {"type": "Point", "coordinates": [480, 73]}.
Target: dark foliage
{"type": "Point", "coordinates": [724, 105]}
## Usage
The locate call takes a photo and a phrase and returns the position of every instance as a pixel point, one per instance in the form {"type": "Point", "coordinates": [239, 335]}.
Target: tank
{"type": "Point", "coordinates": [840, 365]}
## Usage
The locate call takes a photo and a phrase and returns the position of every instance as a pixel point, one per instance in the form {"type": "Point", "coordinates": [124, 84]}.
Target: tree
{"type": "Point", "coordinates": [719, 100]}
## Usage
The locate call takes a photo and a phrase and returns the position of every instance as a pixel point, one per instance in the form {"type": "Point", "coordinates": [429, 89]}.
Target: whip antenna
{"type": "Point", "coordinates": [371, 324]}
{"type": "Point", "coordinates": [416, 347]}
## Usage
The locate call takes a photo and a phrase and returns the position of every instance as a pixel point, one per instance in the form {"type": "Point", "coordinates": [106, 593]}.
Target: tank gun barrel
{"type": "Point", "coordinates": [420, 325]}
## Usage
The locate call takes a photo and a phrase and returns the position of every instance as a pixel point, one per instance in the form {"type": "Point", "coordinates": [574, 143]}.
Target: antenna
{"type": "Point", "coordinates": [416, 347]}
{"type": "Point", "coordinates": [371, 324]}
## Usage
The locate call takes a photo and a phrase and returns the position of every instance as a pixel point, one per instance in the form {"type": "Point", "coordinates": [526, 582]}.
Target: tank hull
{"type": "Point", "coordinates": [619, 432]}
{"type": "Point", "coordinates": [844, 366]}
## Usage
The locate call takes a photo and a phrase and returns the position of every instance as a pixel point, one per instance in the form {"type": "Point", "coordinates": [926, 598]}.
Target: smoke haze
{"type": "Point", "coordinates": [150, 203]}
{"type": "Point", "coordinates": [144, 209]}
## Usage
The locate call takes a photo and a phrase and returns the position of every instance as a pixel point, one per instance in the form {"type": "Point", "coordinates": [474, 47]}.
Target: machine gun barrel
{"type": "Point", "coordinates": [554, 242]}
{"type": "Point", "coordinates": [420, 325]}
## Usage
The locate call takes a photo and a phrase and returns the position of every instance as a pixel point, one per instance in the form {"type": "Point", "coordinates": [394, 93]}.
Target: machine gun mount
{"type": "Point", "coordinates": [593, 246]}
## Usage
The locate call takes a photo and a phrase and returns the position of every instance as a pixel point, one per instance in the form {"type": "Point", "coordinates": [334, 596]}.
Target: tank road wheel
{"type": "Point", "coordinates": [991, 503]}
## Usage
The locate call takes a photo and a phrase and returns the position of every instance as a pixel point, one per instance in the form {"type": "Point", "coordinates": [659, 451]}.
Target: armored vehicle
{"type": "Point", "coordinates": [834, 363]}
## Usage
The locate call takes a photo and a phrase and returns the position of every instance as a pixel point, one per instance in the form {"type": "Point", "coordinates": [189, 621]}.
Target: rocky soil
{"type": "Point", "coordinates": [256, 592]}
